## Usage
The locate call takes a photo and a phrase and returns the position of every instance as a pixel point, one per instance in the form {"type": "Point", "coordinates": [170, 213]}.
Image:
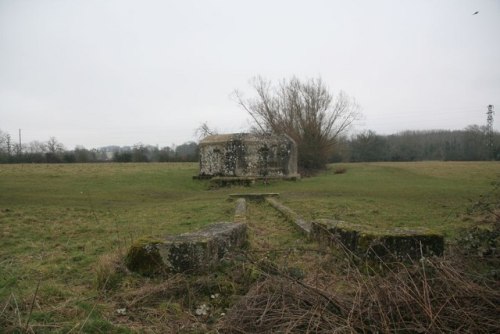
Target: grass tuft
{"type": "Point", "coordinates": [340, 170]}
{"type": "Point", "coordinates": [110, 271]}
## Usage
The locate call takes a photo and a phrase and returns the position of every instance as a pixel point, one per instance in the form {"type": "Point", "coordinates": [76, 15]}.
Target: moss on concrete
{"type": "Point", "coordinates": [144, 257]}
{"type": "Point", "coordinates": [189, 252]}
{"type": "Point", "coordinates": [367, 241]}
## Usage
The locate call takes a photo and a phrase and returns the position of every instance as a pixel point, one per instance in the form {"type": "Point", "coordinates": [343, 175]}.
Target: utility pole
{"type": "Point", "coordinates": [20, 143]}
{"type": "Point", "coordinates": [489, 128]}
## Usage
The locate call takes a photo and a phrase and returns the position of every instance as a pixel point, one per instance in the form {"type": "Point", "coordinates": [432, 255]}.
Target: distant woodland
{"type": "Point", "coordinates": [469, 144]}
{"type": "Point", "coordinates": [53, 151]}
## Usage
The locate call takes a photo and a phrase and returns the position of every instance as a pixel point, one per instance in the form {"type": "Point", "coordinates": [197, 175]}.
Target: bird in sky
{"type": "Point", "coordinates": [477, 12]}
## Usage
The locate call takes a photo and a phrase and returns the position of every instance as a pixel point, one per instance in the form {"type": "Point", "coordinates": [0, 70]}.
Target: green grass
{"type": "Point", "coordinates": [56, 221]}
{"type": "Point", "coordinates": [423, 194]}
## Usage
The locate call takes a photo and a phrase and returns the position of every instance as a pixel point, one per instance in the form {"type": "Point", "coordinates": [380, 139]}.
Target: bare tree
{"type": "Point", "coordinates": [304, 110]}
{"type": "Point", "coordinates": [204, 130]}
{"type": "Point", "coordinates": [53, 146]}
{"type": "Point", "coordinates": [8, 144]}
{"type": "Point", "coordinates": [18, 148]}
{"type": "Point", "coordinates": [3, 141]}
{"type": "Point", "coordinates": [36, 147]}
{"type": "Point", "coordinates": [5, 146]}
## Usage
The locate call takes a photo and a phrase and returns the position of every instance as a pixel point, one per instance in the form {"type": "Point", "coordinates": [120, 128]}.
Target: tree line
{"type": "Point", "coordinates": [469, 144]}
{"type": "Point", "coordinates": [53, 151]}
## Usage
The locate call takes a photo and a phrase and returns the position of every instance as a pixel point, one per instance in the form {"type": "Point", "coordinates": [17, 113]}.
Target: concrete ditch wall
{"type": "Point", "coordinates": [202, 250]}
{"type": "Point", "coordinates": [240, 212]}
{"type": "Point", "coordinates": [363, 240]}
{"type": "Point", "coordinates": [375, 243]}
{"type": "Point", "coordinates": [303, 226]}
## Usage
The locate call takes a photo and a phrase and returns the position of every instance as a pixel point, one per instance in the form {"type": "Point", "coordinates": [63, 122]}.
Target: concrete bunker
{"type": "Point", "coordinates": [248, 155]}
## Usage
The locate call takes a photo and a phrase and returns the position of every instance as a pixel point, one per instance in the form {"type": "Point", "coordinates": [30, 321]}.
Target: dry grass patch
{"type": "Point", "coordinates": [428, 296]}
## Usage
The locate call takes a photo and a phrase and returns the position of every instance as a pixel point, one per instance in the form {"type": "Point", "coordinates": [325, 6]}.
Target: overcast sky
{"type": "Point", "coordinates": [98, 72]}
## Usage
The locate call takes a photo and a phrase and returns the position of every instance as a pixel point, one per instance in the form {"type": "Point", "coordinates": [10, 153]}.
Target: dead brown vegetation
{"type": "Point", "coordinates": [426, 296]}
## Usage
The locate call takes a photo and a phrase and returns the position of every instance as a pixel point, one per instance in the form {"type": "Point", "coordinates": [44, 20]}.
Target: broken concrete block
{"type": "Point", "coordinates": [189, 252]}
{"type": "Point", "coordinates": [365, 241]}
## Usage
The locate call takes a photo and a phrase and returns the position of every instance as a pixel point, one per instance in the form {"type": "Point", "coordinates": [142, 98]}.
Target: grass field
{"type": "Point", "coordinates": [56, 221]}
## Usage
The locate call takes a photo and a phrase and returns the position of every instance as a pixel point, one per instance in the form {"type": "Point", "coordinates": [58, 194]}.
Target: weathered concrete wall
{"type": "Point", "coordinates": [244, 154]}
{"type": "Point", "coordinates": [363, 241]}
{"type": "Point", "coordinates": [189, 252]}
{"type": "Point", "coordinates": [258, 197]}
{"type": "Point", "coordinates": [240, 212]}
{"type": "Point", "coordinates": [303, 226]}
